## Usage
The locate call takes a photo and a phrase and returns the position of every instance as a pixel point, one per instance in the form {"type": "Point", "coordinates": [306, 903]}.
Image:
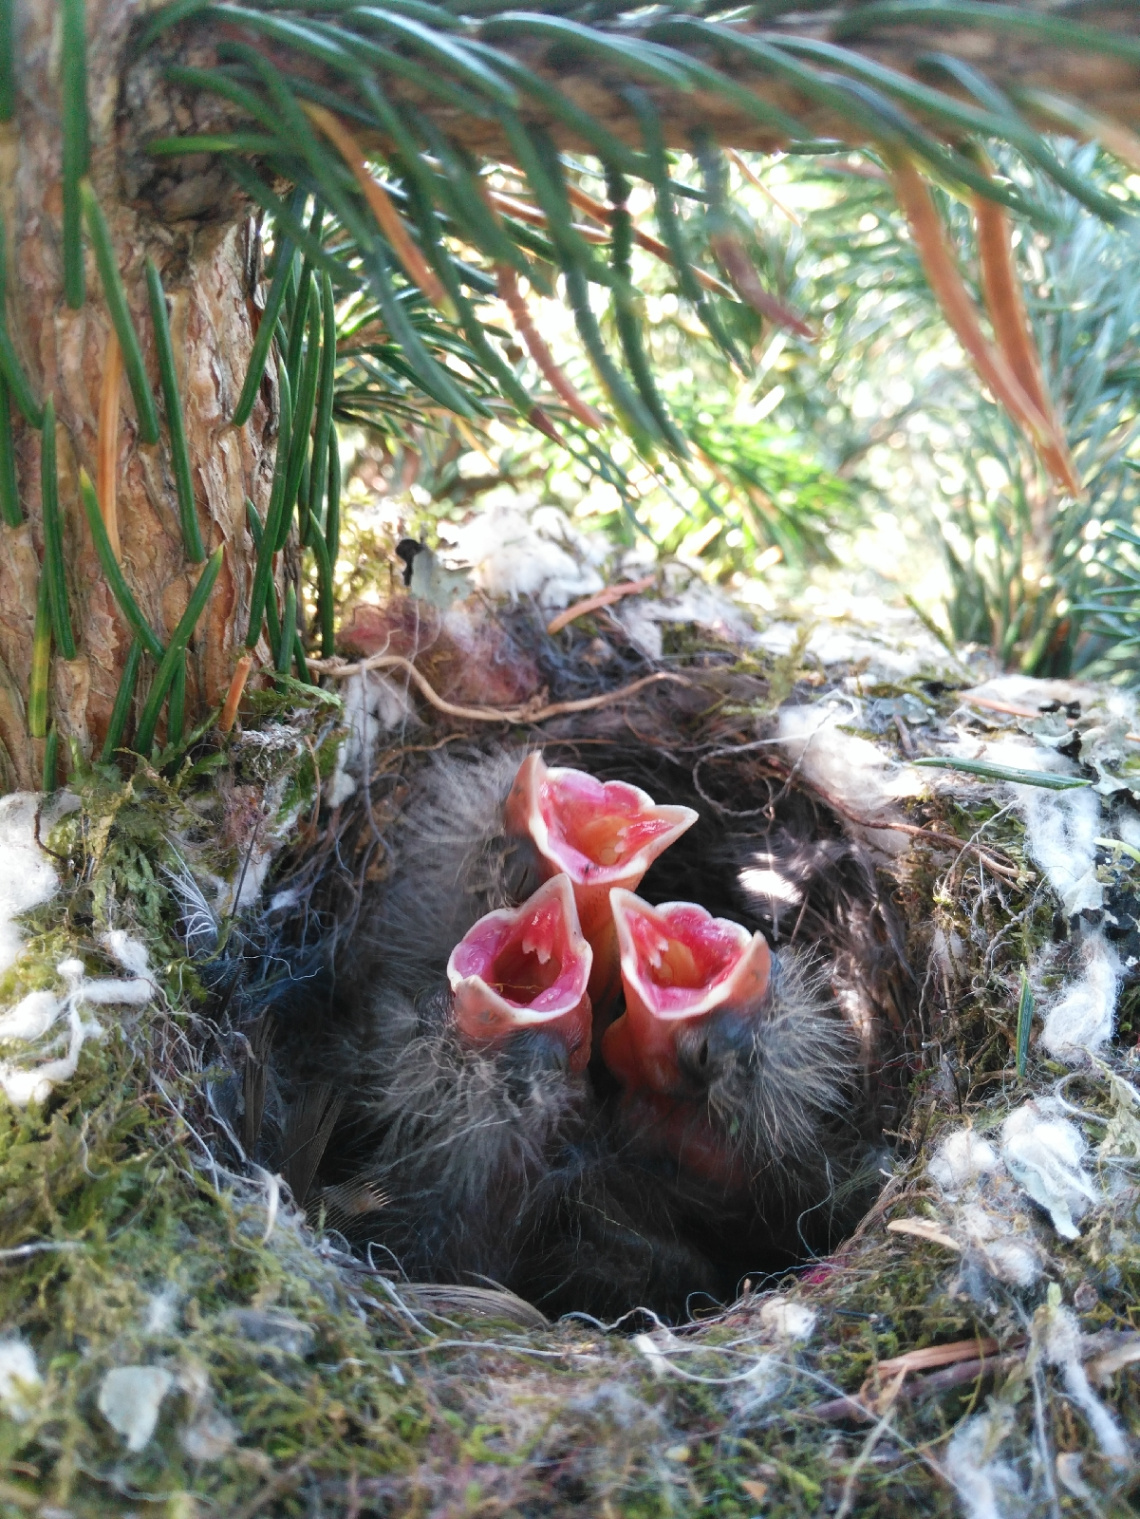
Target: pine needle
{"type": "Point", "coordinates": [107, 448]}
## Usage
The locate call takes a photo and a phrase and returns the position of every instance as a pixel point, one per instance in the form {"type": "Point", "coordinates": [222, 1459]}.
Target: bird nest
{"type": "Point", "coordinates": [193, 1317]}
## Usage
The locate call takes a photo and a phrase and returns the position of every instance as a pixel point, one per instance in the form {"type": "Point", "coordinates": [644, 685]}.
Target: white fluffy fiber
{"type": "Point", "coordinates": [786, 1319]}
{"type": "Point", "coordinates": [988, 1487]}
{"type": "Point", "coordinates": [987, 1214]}
{"type": "Point", "coordinates": [1045, 1153]}
{"type": "Point", "coordinates": [848, 769]}
{"type": "Point", "coordinates": [690, 602]}
{"type": "Point", "coordinates": [882, 641]}
{"type": "Point", "coordinates": [130, 1398]}
{"type": "Point", "coordinates": [1041, 1151]}
{"type": "Point", "coordinates": [36, 1014]}
{"type": "Point", "coordinates": [516, 548]}
{"type": "Point", "coordinates": [960, 1159]}
{"type": "Point", "coordinates": [1082, 1018]}
{"type": "Point", "coordinates": [1061, 833]}
{"type": "Point", "coordinates": [26, 874]}
{"type": "Point", "coordinates": [1014, 1260]}
{"type": "Point", "coordinates": [27, 879]}
{"type": "Point", "coordinates": [20, 1380]}
{"type": "Point", "coordinates": [1061, 1342]}
{"type": "Point", "coordinates": [31, 1017]}
{"type": "Point", "coordinates": [373, 705]}
{"type": "Point", "coordinates": [131, 953]}
{"type": "Point", "coordinates": [1061, 829]}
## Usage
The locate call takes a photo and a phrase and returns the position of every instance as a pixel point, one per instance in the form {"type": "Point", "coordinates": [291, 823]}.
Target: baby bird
{"type": "Point", "coordinates": [731, 1060]}
{"type": "Point", "coordinates": [463, 1094]}
{"type": "Point", "coordinates": [524, 971]}
{"type": "Point", "coordinates": [469, 1106]}
{"type": "Point", "coordinates": [604, 835]}
{"type": "Point", "coordinates": [484, 832]}
{"type": "Point", "coordinates": [553, 1085]}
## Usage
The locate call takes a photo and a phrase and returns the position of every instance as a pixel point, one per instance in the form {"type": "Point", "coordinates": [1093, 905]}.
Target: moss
{"type": "Point", "coordinates": [302, 1384]}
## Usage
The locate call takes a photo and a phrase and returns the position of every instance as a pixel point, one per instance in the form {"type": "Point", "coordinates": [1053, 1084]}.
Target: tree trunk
{"type": "Point", "coordinates": [64, 352]}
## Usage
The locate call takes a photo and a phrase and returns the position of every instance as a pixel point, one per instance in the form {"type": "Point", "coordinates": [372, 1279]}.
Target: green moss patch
{"type": "Point", "coordinates": [302, 1382]}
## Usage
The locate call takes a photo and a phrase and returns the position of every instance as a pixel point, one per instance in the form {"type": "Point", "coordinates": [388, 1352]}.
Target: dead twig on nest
{"type": "Point", "coordinates": [993, 860]}
{"type": "Point", "coordinates": [529, 713]}
{"type": "Point", "coordinates": [604, 598]}
{"type": "Point", "coordinates": [918, 1389]}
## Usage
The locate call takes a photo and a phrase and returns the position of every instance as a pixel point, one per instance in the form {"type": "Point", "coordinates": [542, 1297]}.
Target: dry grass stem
{"type": "Point", "coordinates": [992, 859]}
{"type": "Point", "coordinates": [922, 1228]}
{"type": "Point", "coordinates": [939, 1355]}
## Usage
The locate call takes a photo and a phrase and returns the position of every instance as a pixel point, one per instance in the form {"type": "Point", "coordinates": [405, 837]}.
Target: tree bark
{"type": "Point", "coordinates": [203, 266]}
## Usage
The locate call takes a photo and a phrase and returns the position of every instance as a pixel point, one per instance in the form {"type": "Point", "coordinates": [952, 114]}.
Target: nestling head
{"type": "Point", "coordinates": [694, 985]}
{"type": "Point", "coordinates": [522, 970]}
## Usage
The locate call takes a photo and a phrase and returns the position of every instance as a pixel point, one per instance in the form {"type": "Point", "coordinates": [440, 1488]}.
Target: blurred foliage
{"type": "Point", "coordinates": [701, 370]}
{"type": "Point", "coordinates": [901, 416]}
{"type": "Point", "coordinates": [744, 488]}
{"type": "Point", "coordinates": [791, 443]}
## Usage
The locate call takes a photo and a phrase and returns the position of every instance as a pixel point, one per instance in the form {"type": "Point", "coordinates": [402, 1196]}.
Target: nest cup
{"type": "Point", "coordinates": [768, 852]}
{"type": "Point", "coordinates": [787, 1353]}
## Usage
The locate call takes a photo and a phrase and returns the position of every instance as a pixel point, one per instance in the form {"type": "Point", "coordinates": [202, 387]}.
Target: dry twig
{"type": "Point", "coordinates": [595, 603]}
{"type": "Point", "coordinates": [530, 713]}
{"type": "Point", "coordinates": [994, 860]}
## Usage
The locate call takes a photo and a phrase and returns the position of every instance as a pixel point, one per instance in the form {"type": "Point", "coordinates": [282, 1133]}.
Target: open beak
{"type": "Point", "coordinates": [679, 965]}
{"type": "Point", "coordinates": [525, 969]}
{"type": "Point", "coordinates": [602, 834]}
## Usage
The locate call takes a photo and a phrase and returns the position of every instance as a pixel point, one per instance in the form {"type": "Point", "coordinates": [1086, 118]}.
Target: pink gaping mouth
{"type": "Point", "coordinates": [602, 834]}
{"type": "Point", "coordinates": [525, 968]}
{"type": "Point", "coordinates": [678, 964]}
